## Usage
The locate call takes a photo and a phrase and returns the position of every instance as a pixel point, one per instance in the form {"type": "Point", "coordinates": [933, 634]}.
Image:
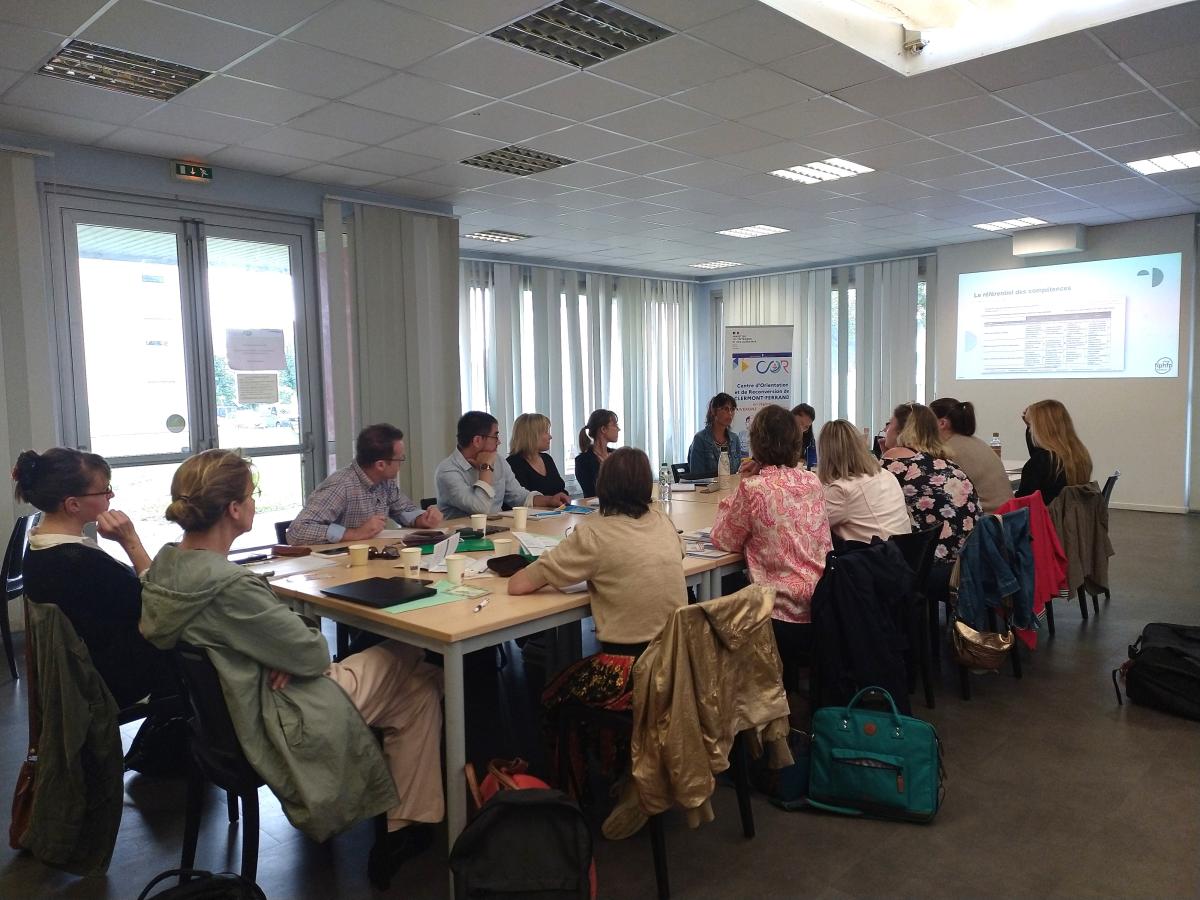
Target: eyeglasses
{"type": "Point", "coordinates": [391, 551]}
{"type": "Point", "coordinates": [107, 492]}
{"type": "Point", "coordinates": [396, 459]}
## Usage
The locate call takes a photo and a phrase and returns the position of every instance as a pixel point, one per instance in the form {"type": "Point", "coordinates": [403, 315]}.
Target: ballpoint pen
{"type": "Point", "coordinates": [480, 605]}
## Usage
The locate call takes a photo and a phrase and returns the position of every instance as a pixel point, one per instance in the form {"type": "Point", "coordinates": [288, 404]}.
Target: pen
{"type": "Point", "coordinates": [480, 605]}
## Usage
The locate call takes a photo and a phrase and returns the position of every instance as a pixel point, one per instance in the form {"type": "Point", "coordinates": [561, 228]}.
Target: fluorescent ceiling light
{"type": "Point", "coordinates": [120, 70]}
{"type": "Point", "coordinates": [496, 237]}
{"type": "Point", "coordinates": [580, 32]}
{"type": "Point", "coordinates": [516, 160]}
{"type": "Point", "coordinates": [1011, 224]}
{"type": "Point", "coordinates": [825, 170]}
{"type": "Point", "coordinates": [1172, 163]}
{"type": "Point", "coordinates": [750, 231]}
{"type": "Point", "coordinates": [718, 264]}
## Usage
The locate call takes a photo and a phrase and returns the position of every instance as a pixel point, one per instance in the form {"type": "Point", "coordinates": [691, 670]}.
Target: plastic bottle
{"type": "Point", "coordinates": [994, 443]}
{"type": "Point", "coordinates": [723, 470]}
{"type": "Point", "coordinates": [810, 456]}
{"type": "Point", "coordinates": [664, 486]}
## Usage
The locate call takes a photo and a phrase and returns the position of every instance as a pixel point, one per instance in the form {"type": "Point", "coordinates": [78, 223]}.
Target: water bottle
{"type": "Point", "coordinates": [994, 443]}
{"type": "Point", "coordinates": [723, 470]}
{"type": "Point", "coordinates": [810, 455]}
{"type": "Point", "coordinates": [664, 486]}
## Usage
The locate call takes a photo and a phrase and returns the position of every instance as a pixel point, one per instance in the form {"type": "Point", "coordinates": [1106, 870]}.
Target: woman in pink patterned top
{"type": "Point", "coordinates": [777, 520]}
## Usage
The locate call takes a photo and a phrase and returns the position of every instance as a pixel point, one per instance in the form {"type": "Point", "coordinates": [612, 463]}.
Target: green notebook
{"type": "Point", "coordinates": [463, 546]}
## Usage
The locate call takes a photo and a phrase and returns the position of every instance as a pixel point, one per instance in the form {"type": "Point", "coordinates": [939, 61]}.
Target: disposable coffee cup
{"type": "Point", "coordinates": [359, 554]}
{"type": "Point", "coordinates": [520, 517]}
{"type": "Point", "coordinates": [504, 546]}
{"type": "Point", "coordinates": [455, 564]}
{"type": "Point", "coordinates": [410, 558]}
{"type": "Point", "coordinates": [479, 522]}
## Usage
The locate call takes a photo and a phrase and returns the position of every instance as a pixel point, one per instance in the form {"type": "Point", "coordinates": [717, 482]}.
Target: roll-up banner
{"type": "Point", "coordinates": [758, 371]}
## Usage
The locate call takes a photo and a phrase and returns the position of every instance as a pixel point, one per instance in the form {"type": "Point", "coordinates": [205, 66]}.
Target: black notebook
{"type": "Point", "coordinates": [381, 592]}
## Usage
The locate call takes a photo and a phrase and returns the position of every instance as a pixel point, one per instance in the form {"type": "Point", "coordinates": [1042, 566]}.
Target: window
{"type": "Point", "coordinates": [920, 348]}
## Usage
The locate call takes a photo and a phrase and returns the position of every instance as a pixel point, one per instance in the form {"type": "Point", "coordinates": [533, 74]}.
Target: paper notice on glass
{"type": "Point", "coordinates": [255, 349]}
{"type": "Point", "coordinates": [257, 387]}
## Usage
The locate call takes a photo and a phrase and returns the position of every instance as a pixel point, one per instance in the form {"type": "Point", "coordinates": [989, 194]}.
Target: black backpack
{"type": "Point", "coordinates": [526, 843]}
{"type": "Point", "coordinates": [1163, 670]}
{"type": "Point", "coordinates": [203, 885]}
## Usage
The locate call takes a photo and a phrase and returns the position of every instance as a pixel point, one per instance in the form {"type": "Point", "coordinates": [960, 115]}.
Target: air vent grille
{"type": "Point", "coordinates": [517, 160]}
{"type": "Point", "coordinates": [580, 32]}
{"type": "Point", "coordinates": [120, 70]}
{"type": "Point", "coordinates": [495, 237]}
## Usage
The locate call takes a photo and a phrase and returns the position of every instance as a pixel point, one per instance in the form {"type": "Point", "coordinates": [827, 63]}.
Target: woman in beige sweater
{"type": "Point", "coordinates": [956, 427]}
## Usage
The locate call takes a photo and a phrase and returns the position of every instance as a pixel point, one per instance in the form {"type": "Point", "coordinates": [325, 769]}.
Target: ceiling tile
{"type": "Point", "coordinates": [259, 161]}
{"type": "Point", "coordinates": [1031, 150]}
{"type": "Point", "coordinates": [781, 155]}
{"type": "Point", "coordinates": [969, 113]}
{"type": "Point", "coordinates": [707, 173]}
{"type": "Point", "coordinates": [1033, 62]}
{"type": "Point", "coordinates": [9, 77]}
{"type": "Point", "coordinates": [1085, 86]}
{"type": "Point", "coordinates": [1072, 162]}
{"type": "Point", "coordinates": [150, 143]}
{"type": "Point", "coordinates": [583, 200]}
{"type": "Point", "coordinates": [905, 153]}
{"type": "Point", "coordinates": [1185, 94]}
{"type": "Point", "coordinates": [830, 68]}
{"type": "Point", "coordinates": [1115, 110]}
{"type": "Point", "coordinates": [506, 122]}
{"type": "Point", "coordinates": [998, 134]}
{"type": "Point", "coordinates": [638, 188]}
{"type": "Point", "coordinates": [479, 17]}
{"type": "Point", "coordinates": [60, 16]}
{"type": "Point", "coordinates": [943, 168]}
{"type": "Point", "coordinates": [524, 189]}
{"type": "Point", "coordinates": [460, 176]}
{"type": "Point", "coordinates": [308, 69]}
{"type": "Point", "coordinates": [580, 175]}
{"type": "Point", "coordinates": [1098, 175]}
{"type": "Point", "coordinates": [389, 162]}
{"type": "Point", "coordinates": [1151, 31]}
{"type": "Point", "coordinates": [582, 96]}
{"type": "Point", "coordinates": [855, 138]}
{"type": "Point", "coordinates": [166, 33]}
{"type": "Point", "coordinates": [372, 30]}
{"type": "Point", "coordinates": [672, 64]}
{"type": "Point", "coordinates": [746, 93]}
{"type": "Point", "coordinates": [274, 16]}
{"type": "Point", "coordinates": [721, 139]}
{"type": "Point", "coordinates": [290, 142]}
{"type": "Point", "coordinates": [247, 99]}
{"type": "Point", "coordinates": [1148, 149]}
{"type": "Point", "coordinates": [25, 48]}
{"type": "Point", "coordinates": [801, 120]}
{"type": "Point", "coordinates": [1133, 132]}
{"type": "Point", "coordinates": [759, 33]}
{"type": "Point", "coordinates": [1168, 66]}
{"type": "Point", "coordinates": [656, 120]}
{"type": "Point", "coordinates": [646, 160]}
{"type": "Point", "coordinates": [201, 124]}
{"type": "Point", "coordinates": [416, 98]}
{"type": "Point", "coordinates": [354, 123]}
{"type": "Point", "coordinates": [443, 144]}
{"type": "Point", "coordinates": [584, 142]}
{"type": "Point", "coordinates": [895, 94]}
{"type": "Point", "coordinates": [1009, 190]}
{"type": "Point", "coordinates": [37, 121]}
{"type": "Point", "coordinates": [492, 67]}
{"type": "Point", "coordinates": [413, 187]}
{"type": "Point", "coordinates": [324, 173]}
{"type": "Point", "coordinates": [70, 98]}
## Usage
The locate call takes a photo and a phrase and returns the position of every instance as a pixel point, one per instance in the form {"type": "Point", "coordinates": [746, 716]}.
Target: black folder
{"type": "Point", "coordinates": [381, 593]}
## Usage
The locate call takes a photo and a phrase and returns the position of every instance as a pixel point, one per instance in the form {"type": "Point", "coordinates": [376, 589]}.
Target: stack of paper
{"type": "Point", "coordinates": [535, 544]}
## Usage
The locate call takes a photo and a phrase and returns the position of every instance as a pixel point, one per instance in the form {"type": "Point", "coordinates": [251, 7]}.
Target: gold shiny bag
{"type": "Point", "coordinates": [979, 649]}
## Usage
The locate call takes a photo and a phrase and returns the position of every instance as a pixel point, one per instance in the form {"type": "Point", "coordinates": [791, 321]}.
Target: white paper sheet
{"type": "Point", "coordinates": [535, 544]}
{"type": "Point", "coordinates": [255, 349]}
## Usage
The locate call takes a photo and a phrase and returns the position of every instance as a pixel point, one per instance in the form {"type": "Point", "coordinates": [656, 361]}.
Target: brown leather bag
{"type": "Point", "coordinates": [22, 804]}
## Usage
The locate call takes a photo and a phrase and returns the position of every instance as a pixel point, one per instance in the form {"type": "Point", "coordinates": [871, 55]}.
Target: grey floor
{"type": "Point", "coordinates": [1052, 789]}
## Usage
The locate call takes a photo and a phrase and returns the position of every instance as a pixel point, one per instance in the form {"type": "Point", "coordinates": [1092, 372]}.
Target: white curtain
{"type": "Point", "coordinates": [886, 339]}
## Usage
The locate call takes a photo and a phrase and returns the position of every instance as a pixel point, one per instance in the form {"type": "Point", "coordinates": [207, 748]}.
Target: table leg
{"type": "Point", "coordinates": [704, 589]}
{"type": "Point", "coordinates": [456, 745]}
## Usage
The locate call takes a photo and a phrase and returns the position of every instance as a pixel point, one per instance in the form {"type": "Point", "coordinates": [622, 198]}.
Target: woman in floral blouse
{"type": "Point", "coordinates": [937, 491]}
{"type": "Point", "coordinates": [777, 520]}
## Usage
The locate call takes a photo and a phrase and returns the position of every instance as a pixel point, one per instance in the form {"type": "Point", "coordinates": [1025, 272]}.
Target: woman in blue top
{"type": "Point", "coordinates": [716, 437]}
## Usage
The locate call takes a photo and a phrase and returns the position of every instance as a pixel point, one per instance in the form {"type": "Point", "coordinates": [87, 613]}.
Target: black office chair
{"type": "Point", "coordinates": [11, 573]}
{"type": "Point", "coordinates": [923, 630]}
{"type": "Point", "coordinates": [281, 531]}
{"type": "Point", "coordinates": [218, 758]}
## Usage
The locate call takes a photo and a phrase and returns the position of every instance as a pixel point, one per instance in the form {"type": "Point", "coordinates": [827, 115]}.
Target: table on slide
{"type": "Point", "coordinates": [455, 629]}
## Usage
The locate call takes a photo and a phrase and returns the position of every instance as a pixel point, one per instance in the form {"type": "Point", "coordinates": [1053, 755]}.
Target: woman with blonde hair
{"type": "Point", "coordinates": [528, 459]}
{"type": "Point", "coordinates": [938, 493]}
{"type": "Point", "coordinates": [1057, 458]}
{"type": "Point", "coordinates": [862, 500]}
{"type": "Point", "coordinates": [301, 721]}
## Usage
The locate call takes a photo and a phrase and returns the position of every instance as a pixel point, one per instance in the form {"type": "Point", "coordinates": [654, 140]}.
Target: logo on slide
{"type": "Point", "coordinates": [1156, 277]}
{"type": "Point", "coordinates": [1165, 364]}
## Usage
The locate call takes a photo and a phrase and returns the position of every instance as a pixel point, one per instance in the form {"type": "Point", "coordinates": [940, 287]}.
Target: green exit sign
{"type": "Point", "coordinates": [186, 171]}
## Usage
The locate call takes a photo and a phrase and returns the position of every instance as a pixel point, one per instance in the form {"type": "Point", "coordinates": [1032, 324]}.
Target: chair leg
{"type": "Point", "coordinates": [232, 802]}
{"type": "Point", "coordinates": [741, 781]}
{"type": "Point", "coordinates": [342, 641]}
{"type": "Point", "coordinates": [923, 654]}
{"type": "Point", "coordinates": [6, 633]}
{"type": "Point", "coordinates": [1096, 602]}
{"type": "Point", "coordinates": [1050, 617]}
{"type": "Point", "coordinates": [250, 835]}
{"type": "Point", "coordinates": [934, 617]}
{"type": "Point", "coordinates": [1015, 653]}
{"type": "Point", "coordinates": [658, 843]}
{"type": "Point", "coordinates": [191, 822]}
{"type": "Point", "coordinates": [1082, 604]}
{"type": "Point", "coordinates": [964, 678]}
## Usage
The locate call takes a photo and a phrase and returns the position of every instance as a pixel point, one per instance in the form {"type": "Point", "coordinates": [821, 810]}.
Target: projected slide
{"type": "Point", "coordinates": [1116, 318]}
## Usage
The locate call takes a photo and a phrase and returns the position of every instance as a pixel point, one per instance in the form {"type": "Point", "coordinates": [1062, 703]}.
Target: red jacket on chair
{"type": "Point", "coordinates": [1049, 560]}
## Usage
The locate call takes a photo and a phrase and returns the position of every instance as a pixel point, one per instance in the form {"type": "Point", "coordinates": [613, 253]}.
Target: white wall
{"type": "Point", "coordinates": [1139, 425]}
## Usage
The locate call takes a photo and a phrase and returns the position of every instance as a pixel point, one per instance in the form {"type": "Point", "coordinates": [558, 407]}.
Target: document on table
{"type": "Point", "coordinates": [292, 565]}
{"type": "Point", "coordinates": [535, 544]}
{"type": "Point", "coordinates": [473, 568]}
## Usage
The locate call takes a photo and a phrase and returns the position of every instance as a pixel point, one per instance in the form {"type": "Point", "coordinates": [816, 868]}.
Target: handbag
{"type": "Point", "coordinates": [870, 763]}
{"type": "Point", "coordinates": [22, 803]}
{"type": "Point", "coordinates": [979, 649]}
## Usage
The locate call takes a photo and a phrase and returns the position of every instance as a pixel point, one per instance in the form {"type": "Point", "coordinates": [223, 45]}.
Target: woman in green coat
{"type": "Point", "coordinates": [301, 721]}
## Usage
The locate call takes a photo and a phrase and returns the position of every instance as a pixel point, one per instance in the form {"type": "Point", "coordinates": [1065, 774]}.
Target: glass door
{"type": "Point", "coordinates": [181, 334]}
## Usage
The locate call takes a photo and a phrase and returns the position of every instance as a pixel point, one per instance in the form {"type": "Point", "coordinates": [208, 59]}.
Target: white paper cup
{"type": "Point", "coordinates": [358, 554]}
{"type": "Point", "coordinates": [410, 558]}
{"type": "Point", "coordinates": [479, 522]}
{"type": "Point", "coordinates": [504, 546]}
{"type": "Point", "coordinates": [455, 563]}
{"type": "Point", "coordinates": [520, 517]}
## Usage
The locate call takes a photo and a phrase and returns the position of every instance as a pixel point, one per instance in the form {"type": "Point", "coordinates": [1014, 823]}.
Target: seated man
{"type": "Point", "coordinates": [475, 478]}
{"type": "Point", "coordinates": [354, 503]}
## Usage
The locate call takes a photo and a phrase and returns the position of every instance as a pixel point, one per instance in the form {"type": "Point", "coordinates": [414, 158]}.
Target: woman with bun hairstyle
{"type": "Point", "coordinates": [301, 721]}
{"type": "Point", "coordinates": [1057, 458]}
{"type": "Point", "coordinates": [601, 429]}
{"type": "Point", "coordinates": [956, 428]}
{"type": "Point", "coordinates": [101, 597]}
{"type": "Point", "coordinates": [862, 500]}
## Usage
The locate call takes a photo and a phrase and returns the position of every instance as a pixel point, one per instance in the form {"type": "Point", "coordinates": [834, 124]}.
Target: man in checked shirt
{"type": "Point", "coordinates": [354, 503]}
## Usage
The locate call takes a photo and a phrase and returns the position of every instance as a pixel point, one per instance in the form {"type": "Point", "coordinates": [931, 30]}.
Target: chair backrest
{"type": "Point", "coordinates": [14, 555]}
{"type": "Point", "coordinates": [679, 471]}
{"type": "Point", "coordinates": [918, 548]}
{"type": "Point", "coordinates": [427, 502]}
{"type": "Point", "coordinates": [281, 531]}
{"type": "Point", "coordinates": [214, 741]}
{"type": "Point", "coordinates": [1109, 485]}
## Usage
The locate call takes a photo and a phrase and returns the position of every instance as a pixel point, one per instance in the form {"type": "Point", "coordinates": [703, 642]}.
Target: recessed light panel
{"type": "Point", "coordinates": [751, 231]}
{"type": "Point", "coordinates": [580, 32]}
{"type": "Point", "coordinates": [120, 70]}
{"type": "Point", "coordinates": [1160, 164]}
{"type": "Point", "coordinates": [495, 237]}
{"type": "Point", "coordinates": [825, 170]}
{"type": "Point", "coordinates": [1011, 224]}
{"type": "Point", "coordinates": [517, 160]}
{"type": "Point", "coordinates": [717, 264]}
